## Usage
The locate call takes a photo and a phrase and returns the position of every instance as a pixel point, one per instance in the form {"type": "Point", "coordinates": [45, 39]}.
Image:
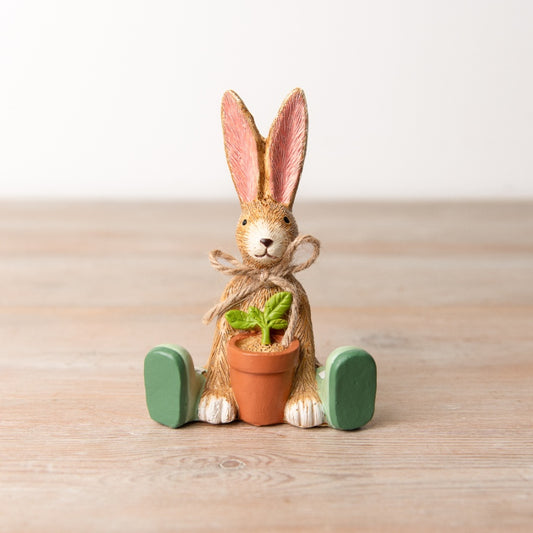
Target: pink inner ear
{"type": "Point", "coordinates": [286, 151]}
{"type": "Point", "coordinates": [240, 140]}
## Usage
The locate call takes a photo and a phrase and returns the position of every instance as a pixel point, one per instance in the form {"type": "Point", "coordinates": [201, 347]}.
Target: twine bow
{"type": "Point", "coordinates": [259, 278]}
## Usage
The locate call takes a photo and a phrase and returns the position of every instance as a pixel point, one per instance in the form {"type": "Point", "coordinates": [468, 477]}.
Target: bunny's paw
{"type": "Point", "coordinates": [304, 410]}
{"type": "Point", "coordinates": [217, 408]}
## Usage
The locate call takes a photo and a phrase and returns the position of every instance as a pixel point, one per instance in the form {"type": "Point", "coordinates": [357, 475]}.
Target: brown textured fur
{"type": "Point", "coordinates": [279, 220]}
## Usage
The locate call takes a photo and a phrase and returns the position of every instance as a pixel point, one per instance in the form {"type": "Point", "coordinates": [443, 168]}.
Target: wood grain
{"type": "Point", "coordinates": [441, 294]}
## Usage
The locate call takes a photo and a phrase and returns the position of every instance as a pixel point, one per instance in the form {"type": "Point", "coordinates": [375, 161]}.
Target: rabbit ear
{"type": "Point", "coordinates": [244, 147]}
{"type": "Point", "coordinates": [285, 148]}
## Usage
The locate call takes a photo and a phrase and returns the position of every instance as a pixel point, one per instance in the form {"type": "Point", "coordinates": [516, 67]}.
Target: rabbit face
{"type": "Point", "coordinates": [264, 231]}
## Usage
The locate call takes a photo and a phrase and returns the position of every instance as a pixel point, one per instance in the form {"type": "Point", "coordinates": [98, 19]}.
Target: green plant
{"type": "Point", "coordinates": [271, 318]}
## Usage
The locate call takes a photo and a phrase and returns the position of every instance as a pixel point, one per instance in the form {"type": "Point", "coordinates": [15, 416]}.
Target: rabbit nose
{"type": "Point", "coordinates": [266, 242]}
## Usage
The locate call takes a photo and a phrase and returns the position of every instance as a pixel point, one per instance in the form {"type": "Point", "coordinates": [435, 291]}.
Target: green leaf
{"type": "Point", "coordinates": [240, 320]}
{"type": "Point", "coordinates": [255, 314]}
{"type": "Point", "coordinates": [279, 323]}
{"type": "Point", "coordinates": [278, 305]}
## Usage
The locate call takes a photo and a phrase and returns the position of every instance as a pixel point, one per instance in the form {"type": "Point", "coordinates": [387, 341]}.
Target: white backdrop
{"type": "Point", "coordinates": [410, 99]}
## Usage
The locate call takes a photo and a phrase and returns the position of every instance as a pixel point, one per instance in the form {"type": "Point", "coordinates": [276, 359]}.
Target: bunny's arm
{"type": "Point", "coordinates": [304, 406]}
{"type": "Point", "coordinates": [218, 404]}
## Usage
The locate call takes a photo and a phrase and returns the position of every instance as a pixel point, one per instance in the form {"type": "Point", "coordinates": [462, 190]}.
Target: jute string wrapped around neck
{"type": "Point", "coordinates": [260, 278]}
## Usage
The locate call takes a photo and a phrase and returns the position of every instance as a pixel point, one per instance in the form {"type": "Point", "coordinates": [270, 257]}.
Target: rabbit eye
{"type": "Point", "coordinates": [286, 219]}
{"type": "Point", "coordinates": [244, 222]}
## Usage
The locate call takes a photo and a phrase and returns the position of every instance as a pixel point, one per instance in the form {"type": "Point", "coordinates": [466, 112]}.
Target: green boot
{"type": "Point", "coordinates": [173, 386]}
{"type": "Point", "coordinates": [347, 387]}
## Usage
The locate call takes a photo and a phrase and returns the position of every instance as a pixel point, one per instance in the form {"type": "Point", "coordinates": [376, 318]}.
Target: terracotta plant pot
{"type": "Point", "coordinates": [262, 381]}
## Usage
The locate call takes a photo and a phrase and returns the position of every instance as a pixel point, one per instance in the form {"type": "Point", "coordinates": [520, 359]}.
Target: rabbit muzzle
{"type": "Point", "coordinates": [265, 243]}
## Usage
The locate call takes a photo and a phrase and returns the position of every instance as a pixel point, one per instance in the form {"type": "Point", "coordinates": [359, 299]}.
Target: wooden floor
{"type": "Point", "coordinates": [441, 294]}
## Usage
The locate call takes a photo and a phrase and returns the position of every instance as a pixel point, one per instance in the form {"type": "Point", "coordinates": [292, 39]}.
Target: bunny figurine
{"type": "Point", "coordinates": [266, 174]}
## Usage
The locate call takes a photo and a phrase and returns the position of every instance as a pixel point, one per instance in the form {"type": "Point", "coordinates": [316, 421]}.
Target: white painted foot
{"type": "Point", "coordinates": [304, 412]}
{"type": "Point", "coordinates": [216, 409]}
